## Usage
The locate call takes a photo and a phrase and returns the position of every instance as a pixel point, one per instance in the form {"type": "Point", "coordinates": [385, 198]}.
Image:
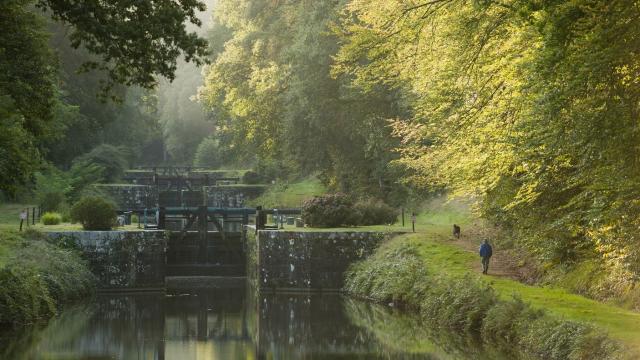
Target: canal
{"type": "Point", "coordinates": [235, 323]}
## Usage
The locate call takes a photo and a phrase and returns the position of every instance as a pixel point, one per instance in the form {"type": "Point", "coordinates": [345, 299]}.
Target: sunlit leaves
{"type": "Point", "coordinates": [533, 105]}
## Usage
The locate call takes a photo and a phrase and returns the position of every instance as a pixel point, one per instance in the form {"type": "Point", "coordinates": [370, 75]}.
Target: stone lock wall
{"type": "Point", "coordinates": [122, 259]}
{"type": "Point", "coordinates": [131, 196]}
{"type": "Point", "coordinates": [231, 196]}
{"type": "Point", "coordinates": [306, 261]}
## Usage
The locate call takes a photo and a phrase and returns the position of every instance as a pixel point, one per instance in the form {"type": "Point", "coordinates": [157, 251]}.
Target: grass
{"type": "Point", "coordinates": [621, 324]}
{"type": "Point", "coordinates": [289, 195]}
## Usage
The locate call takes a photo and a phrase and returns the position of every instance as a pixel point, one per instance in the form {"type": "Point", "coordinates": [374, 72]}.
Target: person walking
{"type": "Point", "coordinates": [485, 253]}
{"type": "Point", "coordinates": [23, 216]}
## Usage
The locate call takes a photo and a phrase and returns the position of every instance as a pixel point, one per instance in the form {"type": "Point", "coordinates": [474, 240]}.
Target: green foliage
{"type": "Point", "coordinates": [94, 213]}
{"type": "Point", "coordinates": [375, 212]}
{"type": "Point", "coordinates": [111, 159]}
{"type": "Point", "coordinates": [151, 50]}
{"type": "Point", "coordinates": [207, 154]}
{"type": "Point", "coordinates": [329, 210]}
{"type": "Point", "coordinates": [51, 218]}
{"type": "Point", "coordinates": [506, 322]}
{"type": "Point", "coordinates": [82, 176]}
{"type": "Point", "coordinates": [548, 338]}
{"type": "Point", "coordinates": [51, 188]}
{"type": "Point", "coordinates": [278, 106]}
{"type": "Point", "coordinates": [335, 210]}
{"type": "Point", "coordinates": [500, 110]}
{"type": "Point", "coordinates": [37, 276]}
{"type": "Point", "coordinates": [24, 296]}
{"type": "Point", "coordinates": [395, 273]}
{"type": "Point", "coordinates": [85, 118]}
{"type": "Point", "coordinates": [26, 93]}
{"type": "Point", "coordinates": [458, 304]}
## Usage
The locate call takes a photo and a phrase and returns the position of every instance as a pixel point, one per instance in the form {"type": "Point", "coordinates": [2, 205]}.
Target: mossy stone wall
{"type": "Point", "coordinates": [122, 259]}
{"type": "Point", "coordinates": [306, 261]}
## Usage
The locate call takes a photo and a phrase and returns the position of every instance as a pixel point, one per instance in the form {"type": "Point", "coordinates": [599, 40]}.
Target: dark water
{"type": "Point", "coordinates": [234, 324]}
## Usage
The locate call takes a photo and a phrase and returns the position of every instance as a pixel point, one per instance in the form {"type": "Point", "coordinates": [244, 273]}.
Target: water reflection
{"type": "Point", "coordinates": [231, 324]}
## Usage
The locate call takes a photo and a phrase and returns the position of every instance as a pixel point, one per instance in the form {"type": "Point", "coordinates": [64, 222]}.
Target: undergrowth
{"type": "Point", "coordinates": [37, 276]}
{"type": "Point", "coordinates": [396, 273]}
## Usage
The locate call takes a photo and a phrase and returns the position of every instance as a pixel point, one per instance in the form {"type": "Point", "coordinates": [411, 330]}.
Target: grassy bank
{"type": "Point", "coordinates": [402, 272]}
{"type": "Point", "coordinates": [38, 276]}
{"type": "Point", "coordinates": [438, 259]}
{"type": "Point", "coordinates": [289, 195]}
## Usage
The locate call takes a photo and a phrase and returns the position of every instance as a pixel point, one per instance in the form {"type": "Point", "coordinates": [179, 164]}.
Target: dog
{"type": "Point", "coordinates": [456, 231]}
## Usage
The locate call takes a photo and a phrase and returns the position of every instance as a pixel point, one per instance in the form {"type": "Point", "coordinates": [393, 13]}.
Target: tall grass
{"type": "Point", "coordinates": [36, 277]}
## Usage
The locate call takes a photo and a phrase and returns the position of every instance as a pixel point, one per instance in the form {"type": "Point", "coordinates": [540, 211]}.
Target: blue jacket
{"type": "Point", "coordinates": [486, 250]}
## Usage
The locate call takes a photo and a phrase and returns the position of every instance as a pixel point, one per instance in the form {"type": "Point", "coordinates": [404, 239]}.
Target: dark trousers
{"type": "Point", "coordinates": [485, 264]}
{"type": "Point", "coordinates": [21, 221]}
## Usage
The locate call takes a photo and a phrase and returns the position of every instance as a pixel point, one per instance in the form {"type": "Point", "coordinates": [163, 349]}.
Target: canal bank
{"type": "Point", "coordinates": [435, 280]}
{"type": "Point", "coordinates": [38, 275]}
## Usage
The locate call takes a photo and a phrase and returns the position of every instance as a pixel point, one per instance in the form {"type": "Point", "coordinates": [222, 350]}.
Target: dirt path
{"type": "Point", "coordinates": [503, 263]}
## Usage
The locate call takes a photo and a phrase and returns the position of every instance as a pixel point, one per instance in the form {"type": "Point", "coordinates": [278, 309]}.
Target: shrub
{"type": "Point", "coordinates": [24, 296]}
{"type": "Point", "coordinates": [375, 212]}
{"type": "Point", "coordinates": [51, 218]}
{"type": "Point", "coordinates": [94, 213]}
{"type": "Point", "coordinates": [458, 304]}
{"type": "Point", "coordinates": [330, 210]}
{"type": "Point", "coordinates": [251, 177]}
{"type": "Point", "coordinates": [506, 321]}
{"type": "Point", "coordinates": [134, 219]}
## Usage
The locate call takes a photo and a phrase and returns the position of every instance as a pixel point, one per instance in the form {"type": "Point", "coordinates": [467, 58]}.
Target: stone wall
{"type": "Point", "coordinates": [130, 196]}
{"type": "Point", "coordinates": [306, 261]}
{"type": "Point", "coordinates": [122, 259]}
{"type": "Point", "coordinates": [231, 196]}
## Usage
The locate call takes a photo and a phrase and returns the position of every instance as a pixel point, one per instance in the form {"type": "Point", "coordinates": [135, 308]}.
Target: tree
{"type": "Point", "coordinates": [184, 121]}
{"type": "Point", "coordinates": [18, 155]}
{"type": "Point", "coordinates": [135, 40]}
{"type": "Point", "coordinates": [27, 92]}
{"type": "Point", "coordinates": [277, 102]}
{"type": "Point", "coordinates": [529, 106]}
{"type": "Point", "coordinates": [111, 159]}
{"type": "Point", "coordinates": [207, 154]}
